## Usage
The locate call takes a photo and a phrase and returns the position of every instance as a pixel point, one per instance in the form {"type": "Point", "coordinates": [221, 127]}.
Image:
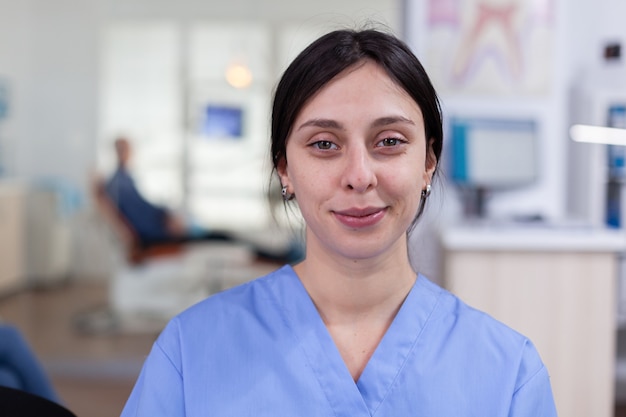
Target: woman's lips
{"type": "Point", "coordinates": [359, 218]}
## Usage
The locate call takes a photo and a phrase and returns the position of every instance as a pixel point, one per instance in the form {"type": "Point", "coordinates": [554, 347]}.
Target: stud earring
{"type": "Point", "coordinates": [286, 195]}
{"type": "Point", "coordinates": [426, 192]}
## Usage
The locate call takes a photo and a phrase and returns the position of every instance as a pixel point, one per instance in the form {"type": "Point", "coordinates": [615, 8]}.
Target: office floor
{"type": "Point", "coordinates": [93, 373]}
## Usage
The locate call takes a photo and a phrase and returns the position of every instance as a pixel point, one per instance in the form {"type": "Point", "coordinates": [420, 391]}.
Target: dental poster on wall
{"type": "Point", "coordinates": [491, 47]}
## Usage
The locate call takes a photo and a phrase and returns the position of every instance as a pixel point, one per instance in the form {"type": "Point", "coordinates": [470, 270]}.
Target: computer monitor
{"type": "Point", "coordinates": [489, 155]}
{"type": "Point", "coordinates": [223, 122]}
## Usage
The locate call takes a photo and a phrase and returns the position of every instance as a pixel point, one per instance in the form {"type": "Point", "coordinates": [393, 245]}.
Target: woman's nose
{"type": "Point", "coordinates": [359, 174]}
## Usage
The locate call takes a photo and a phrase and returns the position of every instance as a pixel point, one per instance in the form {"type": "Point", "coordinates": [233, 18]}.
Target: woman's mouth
{"type": "Point", "coordinates": [360, 217]}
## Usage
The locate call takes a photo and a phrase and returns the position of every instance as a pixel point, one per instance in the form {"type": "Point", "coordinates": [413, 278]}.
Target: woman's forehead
{"type": "Point", "coordinates": [366, 87]}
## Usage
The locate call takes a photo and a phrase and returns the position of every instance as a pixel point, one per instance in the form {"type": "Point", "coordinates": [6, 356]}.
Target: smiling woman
{"type": "Point", "coordinates": [358, 167]}
{"type": "Point", "coordinates": [353, 329]}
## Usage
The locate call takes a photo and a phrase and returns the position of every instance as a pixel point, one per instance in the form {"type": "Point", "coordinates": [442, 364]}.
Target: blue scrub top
{"type": "Point", "coordinates": [262, 349]}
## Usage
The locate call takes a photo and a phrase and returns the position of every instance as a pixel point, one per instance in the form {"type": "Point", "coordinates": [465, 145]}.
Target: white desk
{"type": "Point", "coordinates": [556, 286]}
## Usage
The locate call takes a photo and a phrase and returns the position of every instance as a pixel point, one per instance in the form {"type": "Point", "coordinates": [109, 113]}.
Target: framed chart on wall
{"type": "Point", "coordinates": [491, 47]}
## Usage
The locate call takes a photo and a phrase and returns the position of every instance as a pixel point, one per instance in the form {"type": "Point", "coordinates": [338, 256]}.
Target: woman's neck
{"type": "Point", "coordinates": [349, 290]}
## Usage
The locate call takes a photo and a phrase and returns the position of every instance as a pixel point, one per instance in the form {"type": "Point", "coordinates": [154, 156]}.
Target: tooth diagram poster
{"type": "Point", "coordinates": [491, 47]}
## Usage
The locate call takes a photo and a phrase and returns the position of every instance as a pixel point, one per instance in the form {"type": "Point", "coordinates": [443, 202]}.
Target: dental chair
{"type": "Point", "coordinates": [150, 285]}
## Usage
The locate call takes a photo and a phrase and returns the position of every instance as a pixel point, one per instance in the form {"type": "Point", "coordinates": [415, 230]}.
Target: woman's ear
{"type": "Point", "coordinates": [430, 162]}
{"type": "Point", "coordinates": [281, 169]}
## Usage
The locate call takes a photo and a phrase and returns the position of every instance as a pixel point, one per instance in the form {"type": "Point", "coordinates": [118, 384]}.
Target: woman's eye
{"type": "Point", "coordinates": [390, 142]}
{"type": "Point", "coordinates": [324, 145]}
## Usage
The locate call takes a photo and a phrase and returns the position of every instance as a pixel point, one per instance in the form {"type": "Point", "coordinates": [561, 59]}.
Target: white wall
{"type": "Point", "coordinates": [49, 53]}
{"type": "Point", "coordinates": [15, 65]}
{"type": "Point", "coordinates": [51, 66]}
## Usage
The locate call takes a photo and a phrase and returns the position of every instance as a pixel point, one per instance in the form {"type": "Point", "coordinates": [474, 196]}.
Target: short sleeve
{"type": "Point", "coordinates": [533, 397]}
{"type": "Point", "coordinates": [159, 388]}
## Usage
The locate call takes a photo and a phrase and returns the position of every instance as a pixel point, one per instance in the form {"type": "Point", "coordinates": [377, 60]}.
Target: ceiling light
{"type": "Point", "coordinates": [598, 134]}
{"type": "Point", "coordinates": [239, 75]}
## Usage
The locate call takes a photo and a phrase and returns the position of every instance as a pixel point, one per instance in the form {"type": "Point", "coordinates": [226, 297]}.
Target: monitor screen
{"type": "Point", "coordinates": [223, 122]}
{"type": "Point", "coordinates": [493, 153]}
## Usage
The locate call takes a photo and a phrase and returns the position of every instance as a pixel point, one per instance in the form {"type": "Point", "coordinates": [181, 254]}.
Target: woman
{"type": "Point", "coordinates": [352, 330]}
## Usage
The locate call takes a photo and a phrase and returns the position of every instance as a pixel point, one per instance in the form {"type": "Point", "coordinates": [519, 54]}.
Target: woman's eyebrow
{"type": "Point", "coordinates": [333, 124]}
{"type": "Point", "coordinates": [323, 123]}
{"type": "Point", "coordinates": [389, 120]}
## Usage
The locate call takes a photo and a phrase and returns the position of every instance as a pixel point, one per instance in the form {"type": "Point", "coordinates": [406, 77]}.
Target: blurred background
{"type": "Point", "coordinates": [525, 221]}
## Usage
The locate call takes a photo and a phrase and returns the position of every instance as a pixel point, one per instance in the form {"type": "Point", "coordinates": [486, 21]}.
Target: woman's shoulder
{"type": "Point", "coordinates": [473, 328]}
{"type": "Point", "coordinates": [236, 300]}
{"type": "Point", "coordinates": [225, 315]}
{"type": "Point", "coordinates": [475, 343]}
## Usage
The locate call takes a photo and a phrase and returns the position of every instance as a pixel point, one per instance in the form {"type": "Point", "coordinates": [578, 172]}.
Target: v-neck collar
{"type": "Point", "coordinates": [388, 360]}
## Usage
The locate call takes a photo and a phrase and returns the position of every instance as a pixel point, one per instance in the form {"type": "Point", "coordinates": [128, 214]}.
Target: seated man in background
{"type": "Point", "coordinates": [154, 225]}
